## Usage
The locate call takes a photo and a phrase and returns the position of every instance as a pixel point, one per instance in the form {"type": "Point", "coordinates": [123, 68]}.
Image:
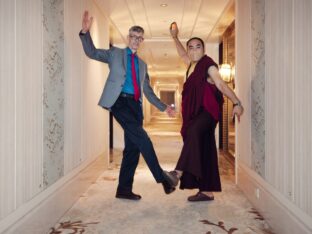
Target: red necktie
{"type": "Point", "coordinates": [134, 79]}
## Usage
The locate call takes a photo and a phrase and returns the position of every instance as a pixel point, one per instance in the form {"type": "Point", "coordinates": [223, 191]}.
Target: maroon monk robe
{"type": "Point", "coordinates": [201, 103]}
{"type": "Point", "coordinates": [198, 93]}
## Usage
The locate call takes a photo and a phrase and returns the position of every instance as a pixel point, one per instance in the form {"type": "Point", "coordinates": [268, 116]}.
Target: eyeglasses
{"type": "Point", "coordinates": [136, 38]}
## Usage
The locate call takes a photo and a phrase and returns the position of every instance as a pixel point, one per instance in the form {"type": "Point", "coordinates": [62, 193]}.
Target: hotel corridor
{"type": "Point", "coordinates": [98, 211]}
{"type": "Point", "coordinates": [60, 151]}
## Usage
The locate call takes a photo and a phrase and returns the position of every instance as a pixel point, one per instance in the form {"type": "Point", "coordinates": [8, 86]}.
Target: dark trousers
{"type": "Point", "coordinates": [128, 114]}
{"type": "Point", "coordinates": [199, 157]}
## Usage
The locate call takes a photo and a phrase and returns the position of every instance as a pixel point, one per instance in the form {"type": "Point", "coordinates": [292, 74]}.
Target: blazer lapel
{"type": "Point", "coordinates": [141, 71]}
{"type": "Point", "coordinates": [124, 61]}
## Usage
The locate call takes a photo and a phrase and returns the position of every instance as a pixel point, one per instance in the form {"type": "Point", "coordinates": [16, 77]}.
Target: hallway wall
{"type": "Point", "coordinates": [274, 143]}
{"type": "Point", "coordinates": [51, 126]}
{"type": "Point", "coordinates": [87, 133]}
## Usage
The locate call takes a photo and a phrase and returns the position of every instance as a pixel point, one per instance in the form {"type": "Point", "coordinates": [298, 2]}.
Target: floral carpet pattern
{"type": "Point", "coordinates": [98, 211]}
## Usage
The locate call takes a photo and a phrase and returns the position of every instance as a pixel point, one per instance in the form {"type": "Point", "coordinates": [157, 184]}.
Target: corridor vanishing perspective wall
{"type": "Point", "coordinates": [273, 69]}
{"type": "Point", "coordinates": [51, 125]}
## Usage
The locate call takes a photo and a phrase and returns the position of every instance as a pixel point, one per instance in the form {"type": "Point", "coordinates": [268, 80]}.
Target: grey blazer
{"type": "Point", "coordinates": [116, 59]}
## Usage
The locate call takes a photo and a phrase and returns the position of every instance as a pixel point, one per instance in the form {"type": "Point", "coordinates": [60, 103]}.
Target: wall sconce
{"type": "Point", "coordinates": [226, 72]}
{"type": "Point", "coordinates": [233, 72]}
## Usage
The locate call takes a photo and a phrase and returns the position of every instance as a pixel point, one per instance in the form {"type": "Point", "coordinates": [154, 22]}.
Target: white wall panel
{"type": "Point", "coordinates": [243, 78]}
{"type": "Point", "coordinates": [279, 95]}
{"type": "Point", "coordinates": [73, 79]}
{"type": "Point", "coordinates": [7, 107]}
{"type": "Point", "coordinates": [288, 99]}
{"type": "Point", "coordinates": [28, 99]}
{"type": "Point", "coordinates": [302, 109]}
{"type": "Point", "coordinates": [86, 124]}
{"type": "Point", "coordinates": [94, 118]}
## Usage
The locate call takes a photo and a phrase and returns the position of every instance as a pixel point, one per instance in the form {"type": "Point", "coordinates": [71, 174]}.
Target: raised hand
{"type": "Point", "coordinates": [174, 29]}
{"type": "Point", "coordinates": [86, 22]}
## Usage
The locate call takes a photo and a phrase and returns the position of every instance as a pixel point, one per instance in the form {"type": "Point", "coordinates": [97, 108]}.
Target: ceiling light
{"type": "Point", "coordinates": [164, 5]}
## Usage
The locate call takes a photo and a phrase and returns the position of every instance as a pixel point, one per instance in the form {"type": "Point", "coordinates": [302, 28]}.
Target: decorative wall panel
{"type": "Point", "coordinates": [257, 86]}
{"type": "Point", "coordinates": [53, 91]}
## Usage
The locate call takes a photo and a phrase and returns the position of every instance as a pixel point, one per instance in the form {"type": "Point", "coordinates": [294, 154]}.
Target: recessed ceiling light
{"type": "Point", "coordinates": [164, 5]}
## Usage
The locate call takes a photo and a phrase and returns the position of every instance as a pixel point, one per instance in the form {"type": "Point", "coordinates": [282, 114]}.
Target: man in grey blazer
{"type": "Point", "coordinates": [127, 79]}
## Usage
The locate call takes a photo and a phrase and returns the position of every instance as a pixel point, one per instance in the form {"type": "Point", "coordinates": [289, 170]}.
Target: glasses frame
{"type": "Point", "coordinates": [136, 38]}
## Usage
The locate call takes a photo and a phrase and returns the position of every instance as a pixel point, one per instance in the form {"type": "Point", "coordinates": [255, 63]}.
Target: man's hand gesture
{"type": "Point", "coordinates": [174, 30]}
{"type": "Point", "coordinates": [86, 22]}
{"type": "Point", "coordinates": [238, 111]}
{"type": "Point", "coordinates": [170, 111]}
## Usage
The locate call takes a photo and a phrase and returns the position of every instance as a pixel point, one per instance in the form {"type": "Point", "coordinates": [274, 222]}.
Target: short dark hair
{"type": "Point", "coordinates": [196, 38]}
{"type": "Point", "coordinates": [136, 28]}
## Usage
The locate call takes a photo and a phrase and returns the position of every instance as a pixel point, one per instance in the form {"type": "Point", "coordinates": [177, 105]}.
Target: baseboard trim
{"type": "Point", "coordinates": [280, 213]}
{"type": "Point", "coordinates": [44, 210]}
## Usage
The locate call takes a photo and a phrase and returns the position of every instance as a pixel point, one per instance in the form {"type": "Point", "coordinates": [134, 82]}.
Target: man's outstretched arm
{"type": "Point", "coordinates": [153, 99]}
{"type": "Point", "coordinates": [87, 43]}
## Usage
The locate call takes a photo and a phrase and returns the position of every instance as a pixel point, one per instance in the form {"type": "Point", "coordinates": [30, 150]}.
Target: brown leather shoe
{"type": "Point", "coordinates": [200, 197]}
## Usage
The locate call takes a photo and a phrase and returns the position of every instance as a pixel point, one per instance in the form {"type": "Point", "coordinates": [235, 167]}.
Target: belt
{"type": "Point", "coordinates": [126, 95]}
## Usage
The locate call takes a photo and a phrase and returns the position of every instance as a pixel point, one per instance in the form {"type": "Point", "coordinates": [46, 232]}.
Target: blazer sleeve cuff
{"type": "Point", "coordinates": [83, 34]}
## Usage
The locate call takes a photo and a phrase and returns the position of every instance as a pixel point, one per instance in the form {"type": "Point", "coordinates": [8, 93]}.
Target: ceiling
{"type": "Point", "coordinates": [207, 19]}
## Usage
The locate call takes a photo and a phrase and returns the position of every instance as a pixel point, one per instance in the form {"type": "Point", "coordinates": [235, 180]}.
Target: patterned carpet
{"type": "Point", "coordinates": [98, 211]}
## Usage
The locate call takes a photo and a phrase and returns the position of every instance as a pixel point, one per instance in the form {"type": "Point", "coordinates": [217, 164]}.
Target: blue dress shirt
{"type": "Point", "coordinates": [128, 85]}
